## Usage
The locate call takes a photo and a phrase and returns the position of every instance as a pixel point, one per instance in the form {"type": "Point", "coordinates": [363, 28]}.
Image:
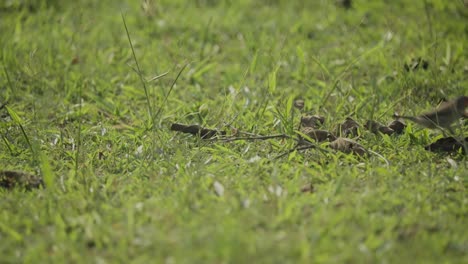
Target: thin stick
{"type": "Point", "coordinates": [253, 138]}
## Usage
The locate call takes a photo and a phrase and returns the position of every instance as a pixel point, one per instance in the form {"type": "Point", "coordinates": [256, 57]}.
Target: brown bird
{"type": "Point", "coordinates": [397, 126]}
{"type": "Point", "coordinates": [10, 179]}
{"type": "Point", "coordinates": [299, 104]}
{"type": "Point", "coordinates": [313, 121]}
{"type": "Point", "coordinates": [376, 127]}
{"type": "Point", "coordinates": [347, 4]}
{"type": "Point", "coordinates": [443, 116]}
{"type": "Point", "coordinates": [347, 145]}
{"type": "Point", "coordinates": [448, 144]}
{"type": "Point", "coordinates": [348, 128]}
{"type": "Point", "coordinates": [316, 134]}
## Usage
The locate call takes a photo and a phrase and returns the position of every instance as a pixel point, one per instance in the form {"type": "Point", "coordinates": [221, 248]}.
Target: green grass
{"type": "Point", "coordinates": [122, 187]}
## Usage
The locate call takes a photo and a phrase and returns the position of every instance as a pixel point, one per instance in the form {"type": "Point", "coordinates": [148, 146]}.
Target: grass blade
{"type": "Point", "coordinates": [143, 83]}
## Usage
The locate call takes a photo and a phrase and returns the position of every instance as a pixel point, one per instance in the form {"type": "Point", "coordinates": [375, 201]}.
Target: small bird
{"type": "Point", "coordinates": [11, 179]}
{"type": "Point", "coordinates": [347, 4]}
{"type": "Point", "coordinates": [376, 127]}
{"type": "Point", "coordinates": [316, 134]}
{"type": "Point", "coordinates": [347, 145]}
{"type": "Point", "coordinates": [299, 104]}
{"type": "Point", "coordinates": [313, 121]}
{"type": "Point", "coordinates": [397, 126]}
{"type": "Point", "coordinates": [443, 116]}
{"type": "Point", "coordinates": [348, 128]}
{"type": "Point", "coordinates": [448, 144]}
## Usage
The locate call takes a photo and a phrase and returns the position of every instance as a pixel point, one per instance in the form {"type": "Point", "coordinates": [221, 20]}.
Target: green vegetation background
{"type": "Point", "coordinates": [122, 187]}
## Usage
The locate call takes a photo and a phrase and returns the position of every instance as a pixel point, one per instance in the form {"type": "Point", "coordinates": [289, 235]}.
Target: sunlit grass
{"type": "Point", "coordinates": [122, 186]}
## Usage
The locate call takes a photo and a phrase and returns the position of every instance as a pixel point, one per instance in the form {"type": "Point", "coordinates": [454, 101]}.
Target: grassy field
{"type": "Point", "coordinates": [91, 114]}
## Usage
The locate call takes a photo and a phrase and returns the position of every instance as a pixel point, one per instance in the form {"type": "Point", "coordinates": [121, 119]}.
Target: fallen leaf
{"type": "Point", "coordinates": [452, 163]}
{"type": "Point", "coordinates": [275, 190]}
{"type": "Point", "coordinates": [219, 188]}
